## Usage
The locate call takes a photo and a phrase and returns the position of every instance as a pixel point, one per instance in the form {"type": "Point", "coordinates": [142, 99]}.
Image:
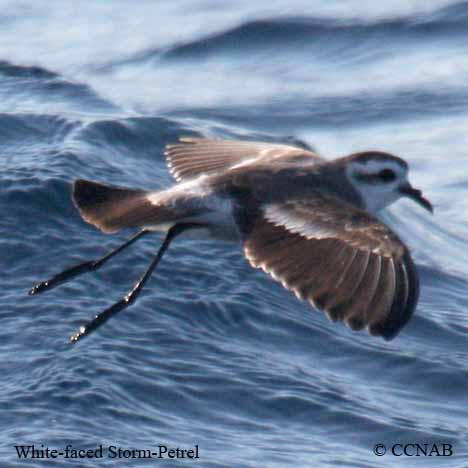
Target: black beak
{"type": "Point", "coordinates": [416, 195]}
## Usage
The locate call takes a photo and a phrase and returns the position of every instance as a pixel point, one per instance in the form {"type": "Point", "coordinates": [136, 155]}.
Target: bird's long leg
{"type": "Point", "coordinates": [91, 265]}
{"type": "Point", "coordinates": [128, 299]}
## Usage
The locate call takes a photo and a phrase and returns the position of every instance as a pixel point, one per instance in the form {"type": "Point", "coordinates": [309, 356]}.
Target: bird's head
{"type": "Point", "coordinates": [381, 179]}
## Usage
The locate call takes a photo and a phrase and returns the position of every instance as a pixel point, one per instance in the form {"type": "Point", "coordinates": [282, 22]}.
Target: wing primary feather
{"type": "Point", "coordinates": [344, 294]}
{"type": "Point", "coordinates": [356, 315]}
{"type": "Point", "coordinates": [327, 299]}
{"type": "Point", "coordinates": [382, 301]}
{"type": "Point", "coordinates": [405, 299]}
{"type": "Point", "coordinates": [325, 272]}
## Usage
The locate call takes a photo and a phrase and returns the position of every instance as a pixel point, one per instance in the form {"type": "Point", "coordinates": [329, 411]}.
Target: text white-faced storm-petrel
{"type": "Point", "coordinates": [307, 222]}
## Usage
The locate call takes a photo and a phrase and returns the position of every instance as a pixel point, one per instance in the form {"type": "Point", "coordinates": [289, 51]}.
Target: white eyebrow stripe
{"type": "Point", "coordinates": [373, 167]}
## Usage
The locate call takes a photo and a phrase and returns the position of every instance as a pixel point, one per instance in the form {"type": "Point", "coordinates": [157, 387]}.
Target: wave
{"type": "Point", "coordinates": [256, 35]}
{"type": "Point", "coordinates": [291, 113]}
{"type": "Point", "coordinates": [287, 31]}
{"type": "Point", "coordinates": [28, 86]}
{"type": "Point", "coordinates": [22, 71]}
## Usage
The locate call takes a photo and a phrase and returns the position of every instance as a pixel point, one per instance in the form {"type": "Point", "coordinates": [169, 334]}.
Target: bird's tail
{"type": "Point", "coordinates": [113, 208]}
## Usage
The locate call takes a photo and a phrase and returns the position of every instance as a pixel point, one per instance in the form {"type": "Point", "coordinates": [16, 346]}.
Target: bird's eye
{"type": "Point", "coordinates": [387, 175]}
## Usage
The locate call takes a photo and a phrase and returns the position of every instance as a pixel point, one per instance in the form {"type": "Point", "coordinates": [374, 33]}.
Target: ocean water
{"type": "Point", "coordinates": [215, 354]}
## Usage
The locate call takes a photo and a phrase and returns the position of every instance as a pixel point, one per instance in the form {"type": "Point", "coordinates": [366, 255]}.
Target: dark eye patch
{"type": "Point", "coordinates": [385, 175]}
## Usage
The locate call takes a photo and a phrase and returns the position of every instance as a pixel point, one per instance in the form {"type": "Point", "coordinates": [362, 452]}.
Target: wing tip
{"type": "Point", "coordinates": [405, 301]}
{"type": "Point", "coordinates": [190, 139]}
{"type": "Point", "coordinates": [181, 141]}
{"type": "Point", "coordinates": [386, 332]}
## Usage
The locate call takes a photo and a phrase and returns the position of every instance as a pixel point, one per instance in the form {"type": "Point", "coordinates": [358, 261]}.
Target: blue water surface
{"type": "Point", "coordinates": [214, 353]}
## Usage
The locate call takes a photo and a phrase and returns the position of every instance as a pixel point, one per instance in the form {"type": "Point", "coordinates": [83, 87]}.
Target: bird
{"type": "Point", "coordinates": [308, 222]}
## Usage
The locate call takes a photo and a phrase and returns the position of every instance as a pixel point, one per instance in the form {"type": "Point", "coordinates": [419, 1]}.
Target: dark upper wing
{"type": "Point", "coordinates": [193, 157]}
{"type": "Point", "coordinates": [341, 259]}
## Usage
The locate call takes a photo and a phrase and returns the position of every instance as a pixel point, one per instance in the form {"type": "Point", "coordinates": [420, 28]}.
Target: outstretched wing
{"type": "Point", "coordinates": [193, 157]}
{"type": "Point", "coordinates": [339, 258]}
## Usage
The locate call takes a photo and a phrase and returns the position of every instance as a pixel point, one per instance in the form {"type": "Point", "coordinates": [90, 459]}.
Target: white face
{"type": "Point", "coordinates": [378, 181]}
